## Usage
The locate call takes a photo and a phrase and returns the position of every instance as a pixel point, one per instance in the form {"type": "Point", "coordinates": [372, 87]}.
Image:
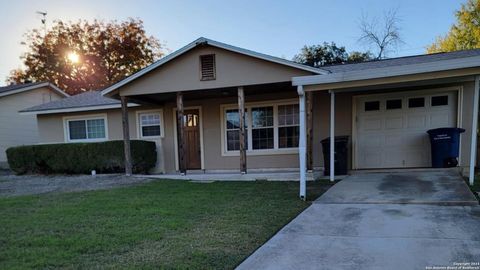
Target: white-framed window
{"type": "Point", "coordinates": [84, 129]}
{"type": "Point", "coordinates": [270, 127]}
{"type": "Point", "coordinates": [288, 126]}
{"type": "Point", "coordinates": [150, 124]}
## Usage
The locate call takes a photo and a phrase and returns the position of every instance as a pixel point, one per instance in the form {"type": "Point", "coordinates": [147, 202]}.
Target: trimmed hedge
{"type": "Point", "coordinates": [81, 158]}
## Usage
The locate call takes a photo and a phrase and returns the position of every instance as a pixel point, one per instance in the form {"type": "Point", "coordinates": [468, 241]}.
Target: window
{"type": "Point", "coordinates": [372, 106]}
{"type": "Point", "coordinates": [207, 67]}
{"type": "Point", "coordinates": [440, 100]}
{"type": "Point", "coordinates": [416, 102]}
{"type": "Point", "coordinates": [288, 126]}
{"type": "Point", "coordinates": [262, 128]}
{"type": "Point", "coordinates": [393, 104]}
{"type": "Point", "coordinates": [267, 127]}
{"type": "Point", "coordinates": [233, 130]}
{"type": "Point", "coordinates": [150, 124]}
{"type": "Point", "coordinates": [86, 129]}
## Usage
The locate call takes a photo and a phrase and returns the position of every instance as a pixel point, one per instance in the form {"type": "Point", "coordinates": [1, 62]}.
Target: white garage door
{"type": "Point", "coordinates": [391, 128]}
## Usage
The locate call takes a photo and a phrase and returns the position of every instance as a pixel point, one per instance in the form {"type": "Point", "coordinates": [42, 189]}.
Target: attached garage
{"type": "Point", "coordinates": [390, 129]}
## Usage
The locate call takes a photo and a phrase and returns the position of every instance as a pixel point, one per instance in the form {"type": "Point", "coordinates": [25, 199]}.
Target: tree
{"type": "Point", "coordinates": [357, 57]}
{"type": "Point", "coordinates": [383, 35]}
{"type": "Point", "coordinates": [464, 34]}
{"type": "Point", "coordinates": [86, 56]}
{"type": "Point", "coordinates": [328, 54]}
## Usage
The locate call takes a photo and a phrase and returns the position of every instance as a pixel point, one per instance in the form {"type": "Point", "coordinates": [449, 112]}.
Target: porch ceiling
{"type": "Point", "coordinates": [162, 98]}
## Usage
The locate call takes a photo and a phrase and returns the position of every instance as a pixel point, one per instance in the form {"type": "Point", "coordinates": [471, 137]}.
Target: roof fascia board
{"type": "Point", "coordinates": [77, 109]}
{"type": "Point", "coordinates": [376, 73]}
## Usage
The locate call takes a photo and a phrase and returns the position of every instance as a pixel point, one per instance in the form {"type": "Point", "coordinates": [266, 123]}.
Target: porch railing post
{"type": "Point", "coordinates": [241, 115]}
{"type": "Point", "coordinates": [332, 136]}
{"type": "Point", "coordinates": [181, 138]}
{"type": "Point", "coordinates": [126, 136]}
{"type": "Point", "coordinates": [301, 144]}
{"type": "Point", "coordinates": [309, 101]}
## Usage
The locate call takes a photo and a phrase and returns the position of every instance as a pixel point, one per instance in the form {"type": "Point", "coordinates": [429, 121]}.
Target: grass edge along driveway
{"type": "Point", "coordinates": [162, 224]}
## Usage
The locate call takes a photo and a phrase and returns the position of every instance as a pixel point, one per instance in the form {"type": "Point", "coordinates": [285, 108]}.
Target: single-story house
{"type": "Point", "coordinates": [191, 103]}
{"type": "Point", "coordinates": [16, 129]}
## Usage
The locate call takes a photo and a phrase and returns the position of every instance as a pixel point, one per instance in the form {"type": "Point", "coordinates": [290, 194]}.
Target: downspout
{"type": "Point", "coordinates": [302, 149]}
{"type": "Point", "coordinates": [473, 145]}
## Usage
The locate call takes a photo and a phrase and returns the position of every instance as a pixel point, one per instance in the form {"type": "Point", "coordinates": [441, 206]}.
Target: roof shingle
{"type": "Point", "coordinates": [87, 99]}
{"type": "Point", "coordinates": [400, 61]}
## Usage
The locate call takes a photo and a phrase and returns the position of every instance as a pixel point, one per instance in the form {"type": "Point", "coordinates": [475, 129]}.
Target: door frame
{"type": "Point", "coordinates": [175, 136]}
{"type": "Point", "coordinates": [457, 88]}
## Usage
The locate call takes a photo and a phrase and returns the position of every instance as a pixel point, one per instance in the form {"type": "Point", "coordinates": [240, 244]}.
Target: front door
{"type": "Point", "coordinates": [192, 139]}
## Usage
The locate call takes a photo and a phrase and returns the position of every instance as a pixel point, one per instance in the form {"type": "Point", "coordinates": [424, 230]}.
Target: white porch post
{"type": "Point", "coordinates": [332, 136]}
{"type": "Point", "coordinates": [302, 149]}
{"type": "Point", "coordinates": [473, 145]}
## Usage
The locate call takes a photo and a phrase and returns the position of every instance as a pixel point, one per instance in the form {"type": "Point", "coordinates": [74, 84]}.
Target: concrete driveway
{"type": "Point", "coordinates": [411, 220]}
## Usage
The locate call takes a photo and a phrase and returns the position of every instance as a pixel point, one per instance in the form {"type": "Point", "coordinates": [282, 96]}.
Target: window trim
{"type": "Point", "coordinates": [66, 129]}
{"type": "Point", "coordinates": [248, 106]}
{"type": "Point", "coordinates": [139, 123]}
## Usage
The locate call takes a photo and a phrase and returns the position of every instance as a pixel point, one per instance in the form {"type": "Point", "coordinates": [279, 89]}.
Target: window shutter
{"type": "Point", "coordinates": [207, 66]}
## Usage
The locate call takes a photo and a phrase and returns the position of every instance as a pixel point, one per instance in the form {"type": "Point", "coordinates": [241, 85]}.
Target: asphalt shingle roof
{"type": "Point", "coordinates": [95, 98]}
{"type": "Point", "coordinates": [400, 61]}
{"type": "Point", "coordinates": [87, 99]}
{"type": "Point", "coordinates": [14, 87]}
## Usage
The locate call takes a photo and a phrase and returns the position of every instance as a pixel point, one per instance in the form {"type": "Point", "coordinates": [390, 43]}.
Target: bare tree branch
{"type": "Point", "coordinates": [384, 35]}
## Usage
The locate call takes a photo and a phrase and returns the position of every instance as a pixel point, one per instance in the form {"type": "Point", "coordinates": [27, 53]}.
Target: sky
{"type": "Point", "coordinates": [279, 28]}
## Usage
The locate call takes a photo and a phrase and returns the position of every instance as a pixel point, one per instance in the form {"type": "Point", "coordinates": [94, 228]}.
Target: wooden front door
{"type": "Point", "coordinates": [191, 119]}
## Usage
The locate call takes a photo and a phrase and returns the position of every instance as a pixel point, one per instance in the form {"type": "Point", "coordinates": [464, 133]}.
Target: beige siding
{"type": "Point", "coordinates": [19, 129]}
{"type": "Point", "coordinates": [232, 69]}
{"type": "Point", "coordinates": [51, 128]}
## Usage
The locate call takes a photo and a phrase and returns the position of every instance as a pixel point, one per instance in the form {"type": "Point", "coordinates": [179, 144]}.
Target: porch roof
{"type": "Point", "coordinates": [378, 72]}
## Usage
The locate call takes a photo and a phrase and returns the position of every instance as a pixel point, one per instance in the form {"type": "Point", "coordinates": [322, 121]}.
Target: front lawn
{"type": "Point", "coordinates": [162, 224]}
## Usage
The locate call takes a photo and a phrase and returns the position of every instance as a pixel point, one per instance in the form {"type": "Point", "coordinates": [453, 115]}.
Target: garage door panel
{"type": "Point", "coordinates": [397, 138]}
{"type": "Point", "coordinates": [393, 140]}
{"type": "Point", "coordinates": [367, 142]}
{"type": "Point", "coordinates": [440, 119]}
{"type": "Point", "coordinates": [371, 124]}
{"type": "Point", "coordinates": [395, 122]}
{"type": "Point", "coordinates": [369, 159]}
{"type": "Point", "coordinates": [416, 121]}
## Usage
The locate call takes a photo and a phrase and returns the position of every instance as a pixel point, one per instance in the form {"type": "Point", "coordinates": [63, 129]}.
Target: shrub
{"type": "Point", "coordinates": [78, 158]}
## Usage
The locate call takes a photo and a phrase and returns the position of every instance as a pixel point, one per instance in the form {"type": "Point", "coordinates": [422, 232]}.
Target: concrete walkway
{"type": "Point", "coordinates": [380, 221]}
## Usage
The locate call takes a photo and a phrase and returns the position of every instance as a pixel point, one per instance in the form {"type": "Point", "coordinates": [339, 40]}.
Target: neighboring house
{"type": "Point", "coordinates": [385, 107]}
{"type": "Point", "coordinates": [16, 129]}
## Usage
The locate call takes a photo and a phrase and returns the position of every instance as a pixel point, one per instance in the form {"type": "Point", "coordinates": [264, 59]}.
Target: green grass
{"type": "Point", "coordinates": [163, 224]}
{"type": "Point", "coordinates": [476, 186]}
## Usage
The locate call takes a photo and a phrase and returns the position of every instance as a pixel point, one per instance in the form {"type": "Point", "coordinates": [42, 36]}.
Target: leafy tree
{"type": "Point", "coordinates": [357, 57]}
{"type": "Point", "coordinates": [464, 34]}
{"type": "Point", "coordinates": [86, 56]}
{"type": "Point", "coordinates": [328, 54]}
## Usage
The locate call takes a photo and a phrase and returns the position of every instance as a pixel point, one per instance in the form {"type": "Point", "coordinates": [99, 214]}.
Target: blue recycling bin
{"type": "Point", "coordinates": [445, 143]}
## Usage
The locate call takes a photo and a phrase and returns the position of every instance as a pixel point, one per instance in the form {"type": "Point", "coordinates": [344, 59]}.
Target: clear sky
{"type": "Point", "coordinates": [278, 28]}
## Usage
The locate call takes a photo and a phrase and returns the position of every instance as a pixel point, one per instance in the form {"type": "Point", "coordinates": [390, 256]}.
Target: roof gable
{"type": "Point", "coordinates": [204, 42]}
{"type": "Point", "coordinates": [19, 88]}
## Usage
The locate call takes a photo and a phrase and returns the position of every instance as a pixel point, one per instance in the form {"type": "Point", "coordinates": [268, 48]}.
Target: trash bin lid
{"type": "Point", "coordinates": [337, 139]}
{"type": "Point", "coordinates": [445, 130]}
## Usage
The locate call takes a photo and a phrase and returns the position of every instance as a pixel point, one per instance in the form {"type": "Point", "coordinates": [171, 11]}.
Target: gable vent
{"type": "Point", "coordinates": [207, 67]}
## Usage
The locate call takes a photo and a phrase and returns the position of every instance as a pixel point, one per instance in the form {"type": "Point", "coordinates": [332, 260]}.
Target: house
{"type": "Point", "coordinates": [385, 107]}
{"type": "Point", "coordinates": [16, 129]}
